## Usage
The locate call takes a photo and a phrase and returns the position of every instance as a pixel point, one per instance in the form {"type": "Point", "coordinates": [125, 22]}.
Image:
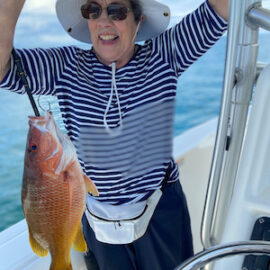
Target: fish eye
{"type": "Point", "coordinates": [34, 147]}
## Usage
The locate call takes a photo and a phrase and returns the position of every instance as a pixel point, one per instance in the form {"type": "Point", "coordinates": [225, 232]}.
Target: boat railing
{"type": "Point", "coordinates": [241, 73]}
{"type": "Point", "coordinates": [238, 248]}
{"type": "Point", "coordinates": [259, 17]}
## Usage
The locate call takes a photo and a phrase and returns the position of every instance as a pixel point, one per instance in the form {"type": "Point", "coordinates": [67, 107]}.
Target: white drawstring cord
{"type": "Point", "coordinates": [117, 131]}
{"type": "Point", "coordinates": [114, 132]}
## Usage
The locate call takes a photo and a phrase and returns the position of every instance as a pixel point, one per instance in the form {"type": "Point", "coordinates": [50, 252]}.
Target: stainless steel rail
{"type": "Point", "coordinates": [239, 78]}
{"type": "Point", "coordinates": [221, 251]}
{"type": "Point", "coordinates": [259, 17]}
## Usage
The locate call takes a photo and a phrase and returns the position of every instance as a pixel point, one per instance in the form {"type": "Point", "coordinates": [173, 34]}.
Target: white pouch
{"type": "Point", "coordinates": [123, 231]}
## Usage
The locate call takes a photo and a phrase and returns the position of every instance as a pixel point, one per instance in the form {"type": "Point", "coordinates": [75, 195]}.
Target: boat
{"type": "Point", "coordinates": [226, 159]}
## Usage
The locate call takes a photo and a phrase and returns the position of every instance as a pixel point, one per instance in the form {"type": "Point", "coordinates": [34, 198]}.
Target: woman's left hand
{"type": "Point", "coordinates": [221, 7]}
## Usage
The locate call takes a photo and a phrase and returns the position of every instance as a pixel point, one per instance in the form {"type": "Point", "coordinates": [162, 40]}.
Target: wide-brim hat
{"type": "Point", "coordinates": [157, 19]}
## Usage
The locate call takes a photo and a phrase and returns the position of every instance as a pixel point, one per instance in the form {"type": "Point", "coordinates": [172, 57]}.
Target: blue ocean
{"type": "Point", "coordinates": [198, 100]}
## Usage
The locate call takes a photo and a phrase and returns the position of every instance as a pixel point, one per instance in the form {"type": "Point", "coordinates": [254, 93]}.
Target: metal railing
{"type": "Point", "coordinates": [259, 17]}
{"type": "Point", "coordinates": [221, 251]}
{"type": "Point", "coordinates": [240, 75]}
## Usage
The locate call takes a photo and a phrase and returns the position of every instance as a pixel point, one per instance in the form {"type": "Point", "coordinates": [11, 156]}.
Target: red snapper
{"type": "Point", "coordinates": [53, 192]}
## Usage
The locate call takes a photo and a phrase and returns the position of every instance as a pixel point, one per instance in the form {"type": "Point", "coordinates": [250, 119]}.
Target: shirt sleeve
{"type": "Point", "coordinates": [44, 69]}
{"type": "Point", "coordinates": [184, 43]}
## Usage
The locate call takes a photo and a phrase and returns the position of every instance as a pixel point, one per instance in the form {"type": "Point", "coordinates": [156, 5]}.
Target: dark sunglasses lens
{"type": "Point", "coordinates": [117, 12]}
{"type": "Point", "coordinates": [91, 11]}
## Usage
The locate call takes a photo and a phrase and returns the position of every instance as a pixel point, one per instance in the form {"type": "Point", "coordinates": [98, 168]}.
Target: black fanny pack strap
{"type": "Point", "coordinates": [22, 76]}
{"type": "Point", "coordinates": [166, 177]}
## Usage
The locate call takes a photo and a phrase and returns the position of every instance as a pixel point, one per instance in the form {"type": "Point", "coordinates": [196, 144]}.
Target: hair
{"type": "Point", "coordinates": [137, 9]}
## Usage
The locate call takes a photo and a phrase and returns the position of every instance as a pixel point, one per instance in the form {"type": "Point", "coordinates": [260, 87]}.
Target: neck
{"type": "Point", "coordinates": [119, 62]}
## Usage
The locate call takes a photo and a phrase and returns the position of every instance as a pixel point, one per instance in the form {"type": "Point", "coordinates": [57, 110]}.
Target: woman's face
{"type": "Point", "coordinates": [113, 41]}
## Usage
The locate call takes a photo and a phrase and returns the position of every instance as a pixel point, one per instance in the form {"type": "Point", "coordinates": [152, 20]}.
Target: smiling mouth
{"type": "Point", "coordinates": [108, 37]}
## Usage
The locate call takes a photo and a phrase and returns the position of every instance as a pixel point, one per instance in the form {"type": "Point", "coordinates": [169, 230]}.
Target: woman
{"type": "Point", "coordinates": [117, 103]}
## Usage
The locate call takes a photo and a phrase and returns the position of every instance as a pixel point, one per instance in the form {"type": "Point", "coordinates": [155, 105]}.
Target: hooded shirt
{"type": "Point", "coordinates": [121, 121]}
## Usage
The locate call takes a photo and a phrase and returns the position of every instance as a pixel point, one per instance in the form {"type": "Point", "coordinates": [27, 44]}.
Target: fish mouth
{"type": "Point", "coordinates": [42, 123]}
{"type": "Point", "coordinates": [45, 125]}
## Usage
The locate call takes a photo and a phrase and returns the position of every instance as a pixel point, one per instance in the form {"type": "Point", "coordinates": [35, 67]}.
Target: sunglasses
{"type": "Point", "coordinates": [116, 12]}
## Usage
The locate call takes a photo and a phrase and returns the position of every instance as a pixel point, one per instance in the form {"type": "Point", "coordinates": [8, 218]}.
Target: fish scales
{"type": "Point", "coordinates": [53, 192]}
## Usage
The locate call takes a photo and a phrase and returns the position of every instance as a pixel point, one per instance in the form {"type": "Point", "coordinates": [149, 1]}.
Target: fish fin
{"type": "Point", "coordinates": [36, 247]}
{"type": "Point", "coordinates": [79, 243]}
{"type": "Point", "coordinates": [90, 186]}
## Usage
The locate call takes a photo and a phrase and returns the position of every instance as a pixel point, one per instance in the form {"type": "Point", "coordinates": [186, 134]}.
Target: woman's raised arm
{"type": "Point", "coordinates": [9, 13]}
{"type": "Point", "coordinates": [221, 7]}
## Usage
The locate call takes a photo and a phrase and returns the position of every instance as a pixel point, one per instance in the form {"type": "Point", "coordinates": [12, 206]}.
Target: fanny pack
{"type": "Point", "coordinates": [126, 231]}
{"type": "Point", "coordinates": [123, 231]}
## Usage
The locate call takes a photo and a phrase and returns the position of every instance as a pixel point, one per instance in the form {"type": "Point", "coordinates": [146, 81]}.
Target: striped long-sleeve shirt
{"type": "Point", "coordinates": [129, 166]}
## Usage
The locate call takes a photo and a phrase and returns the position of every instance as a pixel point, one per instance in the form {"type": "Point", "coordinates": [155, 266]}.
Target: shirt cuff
{"type": "Point", "coordinates": [219, 21]}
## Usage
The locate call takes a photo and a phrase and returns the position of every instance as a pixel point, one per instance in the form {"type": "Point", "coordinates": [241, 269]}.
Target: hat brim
{"type": "Point", "coordinates": [157, 19]}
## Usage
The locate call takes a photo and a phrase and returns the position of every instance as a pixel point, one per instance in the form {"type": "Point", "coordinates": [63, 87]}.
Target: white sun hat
{"type": "Point", "coordinates": [157, 18]}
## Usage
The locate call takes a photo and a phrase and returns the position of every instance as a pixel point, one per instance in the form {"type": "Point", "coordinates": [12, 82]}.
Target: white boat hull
{"type": "Point", "coordinates": [192, 150]}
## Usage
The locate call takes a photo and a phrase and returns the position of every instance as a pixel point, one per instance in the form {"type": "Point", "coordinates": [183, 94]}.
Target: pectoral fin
{"type": "Point", "coordinates": [36, 247]}
{"type": "Point", "coordinates": [79, 243]}
{"type": "Point", "coordinates": [90, 186]}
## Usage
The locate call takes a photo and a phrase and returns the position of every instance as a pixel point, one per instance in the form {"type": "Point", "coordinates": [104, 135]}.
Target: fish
{"type": "Point", "coordinates": [53, 192]}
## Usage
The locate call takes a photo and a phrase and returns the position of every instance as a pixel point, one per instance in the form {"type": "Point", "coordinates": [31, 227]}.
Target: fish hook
{"type": "Point", "coordinates": [42, 107]}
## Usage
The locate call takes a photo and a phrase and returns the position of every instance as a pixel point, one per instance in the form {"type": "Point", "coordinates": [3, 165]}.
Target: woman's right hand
{"type": "Point", "coordinates": [9, 14]}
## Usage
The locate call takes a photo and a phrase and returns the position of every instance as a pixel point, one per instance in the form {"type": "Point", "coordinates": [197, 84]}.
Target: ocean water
{"type": "Point", "coordinates": [198, 100]}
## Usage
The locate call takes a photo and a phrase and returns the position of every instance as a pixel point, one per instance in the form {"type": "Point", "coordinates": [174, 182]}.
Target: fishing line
{"type": "Point", "coordinates": [44, 110]}
{"type": "Point", "coordinates": [22, 76]}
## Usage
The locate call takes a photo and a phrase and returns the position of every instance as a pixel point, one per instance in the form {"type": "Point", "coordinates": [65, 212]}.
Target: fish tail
{"type": "Point", "coordinates": [61, 262]}
{"type": "Point", "coordinates": [66, 267]}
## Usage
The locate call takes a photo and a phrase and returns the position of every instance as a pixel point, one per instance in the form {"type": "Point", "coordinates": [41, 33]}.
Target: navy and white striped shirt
{"type": "Point", "coordinates": [128, 167]}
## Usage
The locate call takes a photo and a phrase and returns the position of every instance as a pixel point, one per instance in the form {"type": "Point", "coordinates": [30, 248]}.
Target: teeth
{"type": "Point", "coordinates": [108, 37]}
